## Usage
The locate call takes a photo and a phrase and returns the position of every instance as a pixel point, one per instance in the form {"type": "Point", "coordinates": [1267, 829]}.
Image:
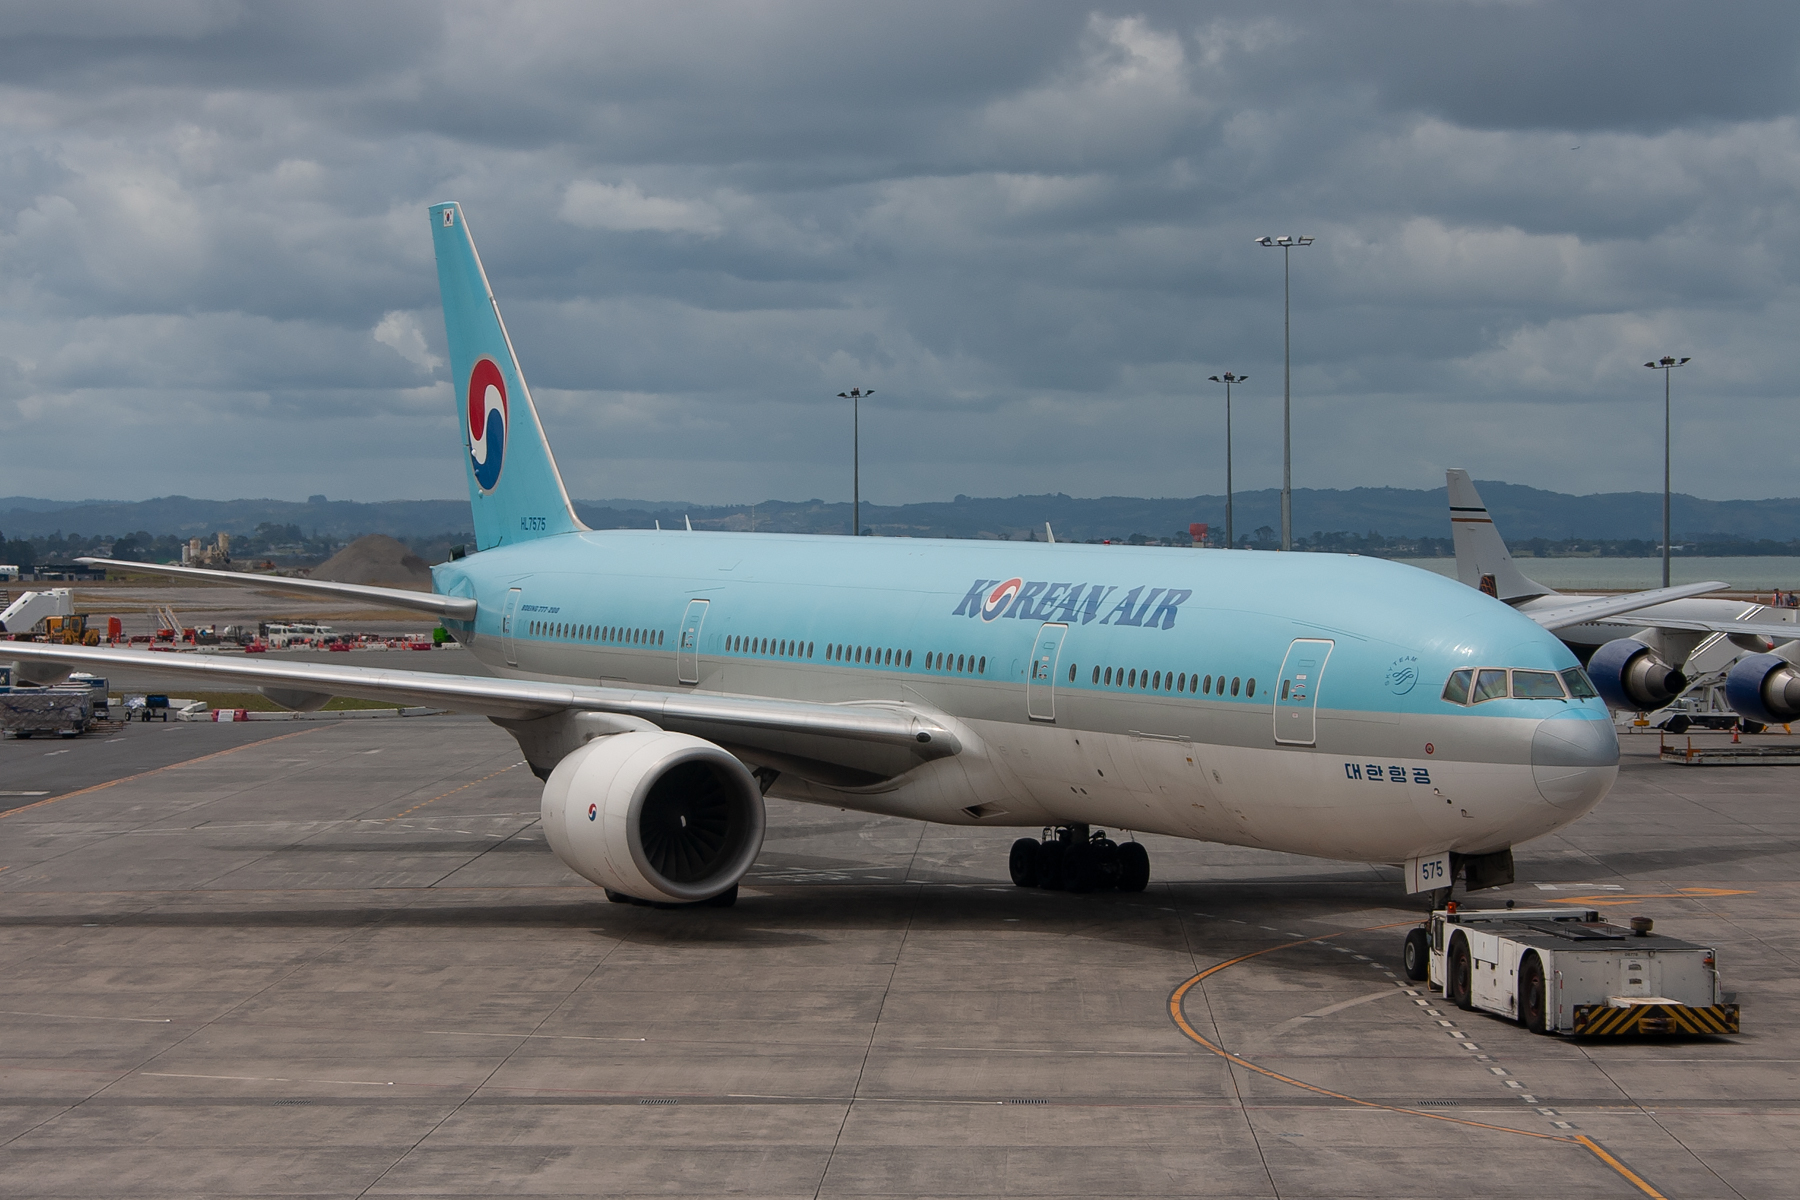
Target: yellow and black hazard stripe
{"type": "Point", "coordinates": [1601, 1020]}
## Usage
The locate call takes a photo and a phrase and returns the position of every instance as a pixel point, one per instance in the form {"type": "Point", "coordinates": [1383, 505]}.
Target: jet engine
{"type": "Point", "coordinates": [655, 815]}
{"type": "Point", "coordinates": [1765, 688]}
{"type": "Point", "coordinates": [1631, 676]}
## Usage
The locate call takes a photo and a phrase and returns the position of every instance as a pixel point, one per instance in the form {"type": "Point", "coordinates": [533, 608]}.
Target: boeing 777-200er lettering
{"type": "Point", "coordinates": [662, 683]}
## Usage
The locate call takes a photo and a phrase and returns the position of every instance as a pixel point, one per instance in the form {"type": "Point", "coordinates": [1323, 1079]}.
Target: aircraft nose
{"type": "Point", "coordinates": [1574, 759]}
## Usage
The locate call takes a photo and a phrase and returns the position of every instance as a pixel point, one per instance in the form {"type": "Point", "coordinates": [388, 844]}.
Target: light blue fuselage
{"type": "Point", "coordinates": [1364, 760]}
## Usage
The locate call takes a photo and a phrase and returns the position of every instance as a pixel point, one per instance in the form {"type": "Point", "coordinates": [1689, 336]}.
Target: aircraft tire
{"type": "Point", "coordinates": [1134, 867]}
{"type": "Point", "coordinates": [1080, 870]}
{"type": "Point", "coordinates": [1050, 866]}
{"type": "Point", "coordinates": [1415, 956]}
{"type": "Point", "coordinates": [1022, 862]}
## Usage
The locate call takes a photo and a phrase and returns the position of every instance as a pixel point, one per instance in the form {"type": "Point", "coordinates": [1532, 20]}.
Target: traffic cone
{"type": "Point", "coordinates": [1735, 740]}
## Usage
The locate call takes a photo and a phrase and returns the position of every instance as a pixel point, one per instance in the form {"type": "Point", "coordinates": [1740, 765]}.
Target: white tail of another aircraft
{"type": "Point", "coordinates": [1482, 560]}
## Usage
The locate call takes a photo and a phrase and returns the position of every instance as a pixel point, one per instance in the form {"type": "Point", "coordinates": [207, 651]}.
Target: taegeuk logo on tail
{"type": "Point", "coordinates": [487, 422]}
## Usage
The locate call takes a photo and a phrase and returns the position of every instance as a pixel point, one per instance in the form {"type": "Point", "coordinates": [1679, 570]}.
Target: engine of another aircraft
{"type": "Point", "coordinates": [656, 816]}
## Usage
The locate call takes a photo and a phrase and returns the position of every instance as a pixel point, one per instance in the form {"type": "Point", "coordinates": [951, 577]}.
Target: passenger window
{"type": "Point", "coordinates": [1096, 674]}
{"type": "Point", "coordinates": [1071, 671]}
{"type": "Point", "coordinates": [1156, 681]}
{"type": "Point", "coordinates": [1250, 687]}
{"type": "Point", "coordinates": [1490, 684]}
{"type": "Point", "coordinates": [1579, 686]}
{"type": "Point", "coordinates": [959, 662]}
{"type": "Point", "coordinates": [981, 667]}
{"type": "Point", "coordinates": [909, 658]}
{"type": "Point", "coordinates": [1206, 686]}
{"type": "Point", "coordinates": [1109, 676]}
{"type": "Point", "coordinates": [1456, 688]}
{"type": "Point", "coordinates": [1234, 686]}
{"type": "Point", "coordinates": [1537, 685]}
{"type": "Point", "coordinates": [809, 649]}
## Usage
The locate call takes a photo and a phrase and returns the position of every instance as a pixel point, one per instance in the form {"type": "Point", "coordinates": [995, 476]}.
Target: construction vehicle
{"type": "Point", "coordinates": [1564, 970]}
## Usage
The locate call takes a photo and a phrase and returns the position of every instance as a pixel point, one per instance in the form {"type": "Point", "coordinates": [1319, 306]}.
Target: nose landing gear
{"type": "Point", "coordinates": [1072, 858]}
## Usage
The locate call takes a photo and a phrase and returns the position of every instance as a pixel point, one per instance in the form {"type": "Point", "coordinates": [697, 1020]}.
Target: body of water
{"type": "Point", "coordinates": [1631, 574]}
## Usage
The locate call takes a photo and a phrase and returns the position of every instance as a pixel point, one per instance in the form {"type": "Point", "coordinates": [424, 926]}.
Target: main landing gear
{"type": "Point", "coordinates": [1072, 858]}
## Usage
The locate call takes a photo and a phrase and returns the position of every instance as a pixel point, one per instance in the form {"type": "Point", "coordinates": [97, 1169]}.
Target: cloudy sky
{"type": "Point", "coordinates": [1029, 227]}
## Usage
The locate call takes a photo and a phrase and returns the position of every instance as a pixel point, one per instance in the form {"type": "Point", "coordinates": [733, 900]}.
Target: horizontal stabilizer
{"type": "Point", "coordinates": [1582, 611]}
{"type": "Point", "coordinates": [456, 608]}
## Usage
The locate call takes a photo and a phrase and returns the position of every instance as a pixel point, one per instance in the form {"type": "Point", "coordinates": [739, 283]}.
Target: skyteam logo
{"type": "Point", "coordinates": [487, 422]}
{"type": "Point", "coordinates": [996, 601]}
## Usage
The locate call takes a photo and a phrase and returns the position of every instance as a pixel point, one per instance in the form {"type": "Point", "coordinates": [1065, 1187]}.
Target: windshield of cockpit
{"type": "Point", "coordinates": [1474, 685]}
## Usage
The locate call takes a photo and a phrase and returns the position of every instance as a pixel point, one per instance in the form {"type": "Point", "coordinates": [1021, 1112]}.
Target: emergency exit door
{"type": "Point", "coordinates": [1040, 681]}
{"type": "Point", "coordinates": [508, 615]}
{"type": "Point", "coordinates": [687, 649]}
{"type": "Point", "coordinates": [1297, 691]}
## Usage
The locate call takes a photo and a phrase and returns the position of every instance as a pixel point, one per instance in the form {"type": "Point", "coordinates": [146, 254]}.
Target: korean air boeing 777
{"type": "Point", "coordinates": [662, 683]}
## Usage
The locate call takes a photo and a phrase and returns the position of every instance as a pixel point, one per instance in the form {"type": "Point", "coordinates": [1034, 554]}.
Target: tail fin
{"type": "Point", "coordinates": [1482, 560]}
{"type": "Point", "coordinates": [514, 487]}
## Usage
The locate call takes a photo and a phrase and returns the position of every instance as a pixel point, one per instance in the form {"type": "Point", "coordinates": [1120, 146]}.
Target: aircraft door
{"type": "Point", "coordinates": [507, 615]}
{"type": "Point", "coordinates": [687, 650]}
{"type": "Point", "coordinates": [1297, 691]}
{"type": "Point", "coordinates": [1040, 681]}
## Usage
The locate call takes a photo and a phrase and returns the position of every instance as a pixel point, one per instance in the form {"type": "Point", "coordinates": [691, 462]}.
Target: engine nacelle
{"type": "Point", "coordinates": [655, 815]}
{"type": "Point", "coordinates": [1764, 688]}
{"type": "Point", "coordinates": [1631, 676]}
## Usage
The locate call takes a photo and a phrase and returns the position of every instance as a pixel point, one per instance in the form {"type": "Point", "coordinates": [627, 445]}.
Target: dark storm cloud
{"type": "Point", "coordinates": [1028, 226]}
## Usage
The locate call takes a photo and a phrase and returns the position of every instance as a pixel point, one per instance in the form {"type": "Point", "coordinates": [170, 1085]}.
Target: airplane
{"type": "Point", "coordinates": [662, 683]}
{"type": "Point", "coordinates": [1635, 659]}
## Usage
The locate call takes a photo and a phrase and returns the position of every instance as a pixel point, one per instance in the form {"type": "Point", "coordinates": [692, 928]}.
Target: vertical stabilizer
{"type": "Point", "coordinates": [514, 487]}
{"type": "Point", "coordinates": [1482, 560]}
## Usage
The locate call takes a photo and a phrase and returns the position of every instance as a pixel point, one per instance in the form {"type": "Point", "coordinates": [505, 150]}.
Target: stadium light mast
{"type": "Point", "coordinates": [854, 396]}
{"type": "Point", "coordinates": [1665, 364]}
{"type": "Point", "coordinates": [1287, 243]}
{"type": "Point", "coordinates": [1228, 379]}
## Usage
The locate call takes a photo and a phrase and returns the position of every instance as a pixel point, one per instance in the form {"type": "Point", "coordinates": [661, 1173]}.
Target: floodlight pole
{"type": "Point", "coordinates": [1228, 379]}
{"type": "Point", "coordinates": [1287, 243]}
{"type": "Point", "coordinates": [855, 395]}
{"type": "Point", "coordinates": [1665, 364]}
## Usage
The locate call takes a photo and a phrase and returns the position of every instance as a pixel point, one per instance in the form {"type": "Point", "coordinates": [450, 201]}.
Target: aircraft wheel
{"type": "Point", "coordinates": [1134, 867]}
{"type": "Point", "coordinates": [1678, 724]}
{"type": "Point", "coordinates": [1050, 866]}
{"type": "Point", "coordinates": [1415, 956]}
{"type": "Point", "coordinates": [1079, 869]}
{"type": "Point", "coordinates": [1022, 863]}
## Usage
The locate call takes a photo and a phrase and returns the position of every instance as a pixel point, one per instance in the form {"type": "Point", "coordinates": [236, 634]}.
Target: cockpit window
{"type": "Point", "coordinates": [1456, 691]}
{"type": "Point", "coordinates": [1537, 685]}
{"type": "Point", "coordinates": [1579, 687]}
{"type": "Point", "coordinates": [1490, 684]}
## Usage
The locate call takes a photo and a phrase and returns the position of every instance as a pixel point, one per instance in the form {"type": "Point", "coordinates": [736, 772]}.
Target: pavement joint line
{"type": "Point", "coordinates": [1179, 995]}
{"type": "Point", "coordinates": [465, 787]}
{"type": "Point", "coordinates": [9, 1012]}
{"type": "Point", "coordinates": [13, 812]}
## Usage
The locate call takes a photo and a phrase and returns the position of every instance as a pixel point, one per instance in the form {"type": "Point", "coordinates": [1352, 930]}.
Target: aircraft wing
{"type": "Point", "coordinates": [1775, 631]}
{"type": "Point", "coordinates": [515, 699]}
{"type": "Point", "coordinates": [455, 607]}
{"type": "Point", "coordinates": [1580, 612]}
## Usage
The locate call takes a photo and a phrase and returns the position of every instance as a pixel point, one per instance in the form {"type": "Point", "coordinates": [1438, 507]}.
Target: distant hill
{"type": "Point", "coordinates": [1522, 512]}
{"type": "Point", "coordinates": [377, 559]}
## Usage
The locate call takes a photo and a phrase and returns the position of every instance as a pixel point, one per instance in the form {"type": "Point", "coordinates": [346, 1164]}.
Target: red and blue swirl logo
{"type": "Point", "coordinates": [593, 811]}
{"type": "Point", "coordinates": [996, 601]}
{"type": "Point", "coordinates": [487, 422]}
